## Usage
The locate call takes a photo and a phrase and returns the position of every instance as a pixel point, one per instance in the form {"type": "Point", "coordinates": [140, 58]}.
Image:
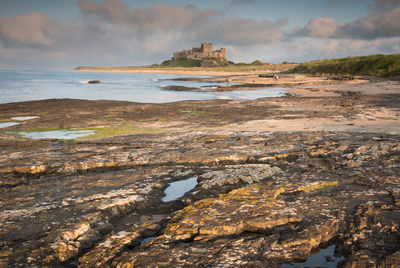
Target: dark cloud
{"type": "Point", "coordinates": [160, 17]}
{"type": "Point", "coordinates": [376, 25]}
{"type": "Point", "coordinates": [380, 24]}
{"type": "Point", "coordinates": [34, 28]}
{"type": "Point", "coordinates": [115, 11]}
{"type": "Point", "coordinates": [384, 4]}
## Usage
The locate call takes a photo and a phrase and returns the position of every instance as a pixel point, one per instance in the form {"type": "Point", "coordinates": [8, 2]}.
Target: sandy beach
{"type": "Point", "coordinates": [197, 71]}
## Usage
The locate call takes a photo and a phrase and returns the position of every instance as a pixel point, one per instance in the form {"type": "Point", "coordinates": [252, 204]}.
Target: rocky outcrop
{"type": "Point", "coordinates": [180, 88]}
{"type": "Point", "coordinates": [114, 244]}
{"type": "Point", "coordinates": [242, 174]}
{"type": "Point", "coordinates": [262, 199]}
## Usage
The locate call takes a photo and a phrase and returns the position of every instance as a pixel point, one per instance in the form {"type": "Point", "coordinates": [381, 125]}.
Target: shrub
{"type": "Point", "coordinates": [373, 65]}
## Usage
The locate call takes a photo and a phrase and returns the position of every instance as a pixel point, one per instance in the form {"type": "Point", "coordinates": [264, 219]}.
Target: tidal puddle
{"type": "Point", "coordinates": [324, 258]}
{"type": "Point", "coordinates": [147, 239]}
{"type": "Point", "coordinates": [65, 134]}
{"type": "Point", "coordinates": [8, 124]}
{"type": "Point", "coordinates": [24, 118]}
{"type": "Point", "coordinates": [178, 189]}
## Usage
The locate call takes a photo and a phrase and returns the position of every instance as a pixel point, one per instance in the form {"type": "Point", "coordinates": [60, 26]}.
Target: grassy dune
{"type": "Point", "coordinates": [372, 65]}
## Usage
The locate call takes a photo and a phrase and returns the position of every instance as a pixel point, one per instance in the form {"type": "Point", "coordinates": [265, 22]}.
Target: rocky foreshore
{"type": "Point", "coordinates": [278, 179]}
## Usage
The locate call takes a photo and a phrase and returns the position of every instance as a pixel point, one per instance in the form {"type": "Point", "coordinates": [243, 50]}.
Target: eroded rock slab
{"type": "Point", "coordinates": [263, 198]}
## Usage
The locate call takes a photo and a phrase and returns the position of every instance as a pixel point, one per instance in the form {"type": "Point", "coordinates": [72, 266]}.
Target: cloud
{"type": "Point", "coordinates": [384, 4]}
{"type": "Point", "coordinates": [321, 27]}
{"type": "Point", "coordinates": [375, 25]}
{"type": "Point", "coordinates": [380, 24]}
{"type": "Point", "coordinates": [114, 10]}
{"type": "Point", "coordinates": [244, 32]}
{"type": "Point", "coordinates": [189, 21]}
{"type": "Point", "coordinates": [113, 33]}
{"type": "Point", "coordinates": [33, 28]}
{"type": "Point", "coordinates": [242, 2]}
{"type": "Point", "coordinates": [309, 48]}
{"type": "Point", "coordinates": [160, 17]}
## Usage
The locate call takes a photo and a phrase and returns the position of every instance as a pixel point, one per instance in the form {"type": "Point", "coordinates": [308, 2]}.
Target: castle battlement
{"type": "Point", "coordinates": [206, 50]}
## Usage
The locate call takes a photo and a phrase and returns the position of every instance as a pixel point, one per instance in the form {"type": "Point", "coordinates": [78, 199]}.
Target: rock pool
{"type": "Point", "coordinates": [178, 189]}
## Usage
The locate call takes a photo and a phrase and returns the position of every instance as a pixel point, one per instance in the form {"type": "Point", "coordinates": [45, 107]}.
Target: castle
{"type": "Point", "coordinates": [206, 50]}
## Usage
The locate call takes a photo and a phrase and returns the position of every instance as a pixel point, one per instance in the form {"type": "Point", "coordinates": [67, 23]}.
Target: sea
{"type": "Point", "coordinates": [17, 86]}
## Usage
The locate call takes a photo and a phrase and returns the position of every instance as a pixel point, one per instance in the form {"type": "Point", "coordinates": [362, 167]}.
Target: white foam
{"type": "Point", "coordinates": [224, 98]}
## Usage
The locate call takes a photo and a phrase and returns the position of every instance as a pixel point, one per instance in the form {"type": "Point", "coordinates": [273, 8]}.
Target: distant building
{"type": "Point", "coordinates": [206, 50]}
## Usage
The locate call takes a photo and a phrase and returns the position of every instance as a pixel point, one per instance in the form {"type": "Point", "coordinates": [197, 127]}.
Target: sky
{"type": "Point", "coordinates": [63, 34]}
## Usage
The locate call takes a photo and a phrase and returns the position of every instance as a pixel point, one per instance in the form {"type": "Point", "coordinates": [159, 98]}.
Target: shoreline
{"type": "Point", "coordinates": [246, 77]}
{"type": "Point", "coordinates": [307, 96]}
{"type": "Point", "coordinates": [201, 71]}
{"type": "Point", "coordinates": [158, 71]}
{"type": "Point", "coordinates": [245, 80]}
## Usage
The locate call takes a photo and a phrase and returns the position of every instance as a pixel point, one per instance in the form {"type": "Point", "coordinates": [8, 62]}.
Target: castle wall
{"type": "Point", "coordinates": [206, 50]}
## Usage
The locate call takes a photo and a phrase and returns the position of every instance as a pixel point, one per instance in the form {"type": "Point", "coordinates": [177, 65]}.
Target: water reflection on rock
{"type": "Point", "coordinates": [178, 189]}
{"type": "Point", "coordinates": [57, 134]}
{"type": "Point", "coordinates": [324, 258]}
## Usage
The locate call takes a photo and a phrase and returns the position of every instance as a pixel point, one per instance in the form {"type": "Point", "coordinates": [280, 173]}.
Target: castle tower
{"type": "Point", "coordinates": [207, 48]}
{"type": "Point", "coordinates": [223, 53]}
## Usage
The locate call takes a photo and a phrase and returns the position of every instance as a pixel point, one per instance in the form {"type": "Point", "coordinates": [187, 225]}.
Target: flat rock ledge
{"type": "Point", "coordinates": [278, 179]}
{"type": "Point", "coordinates": [261, 200]}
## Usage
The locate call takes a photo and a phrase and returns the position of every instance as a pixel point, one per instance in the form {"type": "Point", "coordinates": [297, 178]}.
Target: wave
{"type": "Point", "coordinates": [224, 98]}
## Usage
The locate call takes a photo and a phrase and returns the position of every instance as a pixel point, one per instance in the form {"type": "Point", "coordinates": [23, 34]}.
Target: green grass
{"type": "Point", "coordinates": [63, 140]}
{"type": "Point", "coordinates": [194, 112]}
{"type": "Point", "coordinates": [181, 63]}
{"type": "Point", "coordinates": [120, 130]}
{"type": "Point", "coordinates": [373, 65]}
{"type": "Point", "coordinates": [318, 186]}
{"type": "Point", "coordinates": [43, 129]}
{"type": "Point", "coordinates": [10, 121]}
